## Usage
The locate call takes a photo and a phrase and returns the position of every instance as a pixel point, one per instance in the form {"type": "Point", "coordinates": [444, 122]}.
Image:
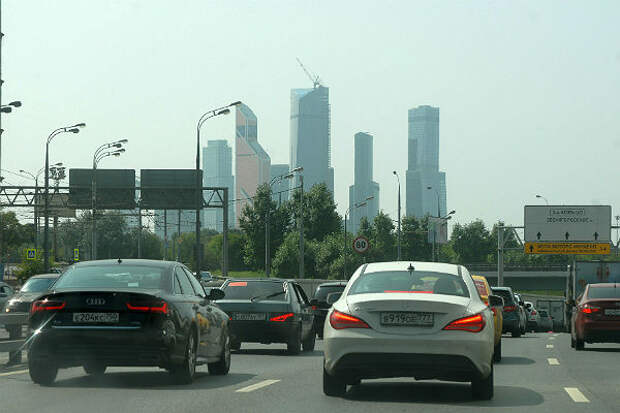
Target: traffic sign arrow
{"type": "Point", "coordinates": [538, 235]}
{"type": "Point", "coordinates": [567, 235]}
{"type": "Point", "coordinates": [595, 236]}
{"type": "Point", "coordinates": [532, 247]}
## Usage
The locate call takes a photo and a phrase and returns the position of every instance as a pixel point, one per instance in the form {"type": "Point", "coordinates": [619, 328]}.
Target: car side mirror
{"type": "Point", "coordinates": [314, 302]}
{"type": "Point", "coordinates": [216, 294]}
{"type": "Point", "coordinates": [333, 297]}
{"type": "Point", "coordinates": [496, 301]}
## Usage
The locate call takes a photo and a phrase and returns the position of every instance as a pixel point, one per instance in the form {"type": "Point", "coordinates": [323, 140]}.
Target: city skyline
{"type": "Point", "coordinates": [217, 172]}
{"type": "Point", "coordinates": [363, 187]}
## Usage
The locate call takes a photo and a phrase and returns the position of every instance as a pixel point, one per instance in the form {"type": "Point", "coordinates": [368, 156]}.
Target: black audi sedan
{"type": "Point", "coordinates": [128, 313]}
{"type": "Point", "coordinates": [268, 311]}
{"type": "Point", "coordinates": [319, 303]}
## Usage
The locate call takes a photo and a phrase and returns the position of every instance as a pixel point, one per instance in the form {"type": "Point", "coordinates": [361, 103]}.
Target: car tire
{"type": "Point", "coordinates": [333, 386]}
{"type": "Point", "coordinates": [94, 369]}
{"type": "Point", "coordinates": [516, 332]}
{"type": "Point", "coordinates": [579, 344]}
{"type": "Point", "coordinates": [235, 345]}
{"type": "Point", "coordinates": [294, 344]}
{"type": "Point", "coordinates": [482, 389]}
{"type": "Point", "coordinates": [309, 342]}
{"type": "Point", "coordinates": [42, 373]}
{"type": "Point", "coordinates": [222, 366]}
{"type": "Point", "coordinates": [184, 372]}
{"type": "Point", "coordinates": [497, 353]}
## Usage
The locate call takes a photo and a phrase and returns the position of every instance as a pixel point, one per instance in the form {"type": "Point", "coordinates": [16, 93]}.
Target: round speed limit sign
{"type": "Point", "coordinates": [361, 244]}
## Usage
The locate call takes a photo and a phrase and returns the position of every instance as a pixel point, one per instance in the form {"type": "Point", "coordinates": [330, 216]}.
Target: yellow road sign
{"type": "Point", "coordinates": [567, 248]}
{"type": "Point", "coordinates": [31, 254]}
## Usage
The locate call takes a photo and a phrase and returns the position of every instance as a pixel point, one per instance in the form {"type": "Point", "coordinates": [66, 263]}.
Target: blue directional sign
{"type": "Point", "coordinates": [31, 254]}
{"type": "Point", "coordinates": [76, 254]}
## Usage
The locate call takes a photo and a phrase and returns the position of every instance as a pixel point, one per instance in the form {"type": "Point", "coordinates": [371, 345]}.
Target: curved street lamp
{"type": "Point", "coordinates": [545, 199]}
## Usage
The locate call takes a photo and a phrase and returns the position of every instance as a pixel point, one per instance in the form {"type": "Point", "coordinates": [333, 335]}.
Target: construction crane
{"type": "Point", "coordinates": [316, 81]}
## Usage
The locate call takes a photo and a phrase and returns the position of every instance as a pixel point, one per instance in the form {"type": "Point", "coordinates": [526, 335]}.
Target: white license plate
{"type": "Point", "coordinates": [612, 312]}
{"type": "Point", "coordinates": [95, 317]}
{"type": "Point", "coordinates": [248, 316]}
{"type": "Point", "coordinates": [403, 318]}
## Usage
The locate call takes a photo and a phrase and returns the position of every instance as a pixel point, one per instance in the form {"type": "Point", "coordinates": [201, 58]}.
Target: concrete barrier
{"type": "Point", "coordinates": [14, 323]}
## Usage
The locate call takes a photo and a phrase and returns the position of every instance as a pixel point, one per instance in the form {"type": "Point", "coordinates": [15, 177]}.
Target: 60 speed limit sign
{"type": "Point", "coordinates": [361, 244]}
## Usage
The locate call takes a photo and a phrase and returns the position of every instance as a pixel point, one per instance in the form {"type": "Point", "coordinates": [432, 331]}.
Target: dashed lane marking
{"type": "Point", "coordinates": [576, 395]}
{"type": "Point", "coordinates": [553, 362]}
{"type": "Point", "coordinates": [551, 338]}
{"type": "Point", "coordinates": [11, 373]}
{"type": "Point", "coordinates": [549, 345]}
{"type": "Point", "coordinates": [257, 386]}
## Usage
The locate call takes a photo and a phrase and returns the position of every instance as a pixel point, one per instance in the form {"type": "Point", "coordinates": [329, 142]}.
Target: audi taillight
{"type": "Point", "coordinates": [509, 308]}
{"type": "Point", "coordinates": [159, 307]}
{"type": "Point", "coordinates": [473, 324]}
{"type": "Point", "coordinates": [590, 309]}
{"type": "Point", "coordinates": [282, 317]}
{"type": "Point", "coordinates": [340, 320]}
{"type": "Point", "coordinates": [47, 305]}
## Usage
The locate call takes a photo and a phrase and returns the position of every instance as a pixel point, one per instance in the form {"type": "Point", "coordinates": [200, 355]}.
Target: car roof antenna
{"type": "Point", "coordinates": [411, 269]}
{"type": "Point", "coordinates": [119, 261]}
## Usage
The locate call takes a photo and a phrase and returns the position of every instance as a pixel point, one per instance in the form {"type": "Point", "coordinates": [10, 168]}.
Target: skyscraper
{"type": "Point", "coordinates": [252, 164]}
{"type": "Point", "coordinates": [280, 188]}
{"type": "Point", "coordinates": [363, 187]}
{"type": "Point", "coordinates": [217, 166]}
{"type": "Point", "coordinates": [310, 136]}
{"type": "Point", "coordinates": [426, 185]}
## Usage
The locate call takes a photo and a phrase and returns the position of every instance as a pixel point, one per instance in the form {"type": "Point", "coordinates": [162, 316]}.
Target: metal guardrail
{"type": "Point", "coordinates": [14, 324]}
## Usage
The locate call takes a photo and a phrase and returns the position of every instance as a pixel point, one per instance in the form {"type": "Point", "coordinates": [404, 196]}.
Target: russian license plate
{"type": "Point", "coordinates": [611, 311]}
{"type": "Point", "coordinates": [95, 317]}
{"type": "Point", "coordinates": [248, 316]}
{"type": "Point", "coordinates": [405, 318]}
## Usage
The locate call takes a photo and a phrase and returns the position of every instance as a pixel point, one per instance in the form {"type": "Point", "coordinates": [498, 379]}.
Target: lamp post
{"type": "Point", "coordinates": [6, 109]}
{"type": "Point", "coordinates": [346, 214]}
{"type": "Point", "coordinates": [399, 247]}
{"type": "Point", "coordinates": [73, 129]}
{"type": "Point", "coordinates": [545, 199]}
{"type": "Point", "coordinates": [98, 156]}
{"type": "Point", "coordinates": [224, 110]}
{"type": "Point", "coordinates": [300, 220]}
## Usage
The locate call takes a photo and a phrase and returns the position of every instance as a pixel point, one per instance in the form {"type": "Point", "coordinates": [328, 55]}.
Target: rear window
{"type": "Point", "coordinates": [481, 287]}
{"type": "Point", "coordinates": [423, 282]}
{"type": "Point", "coordinates": [114, 276]}
{"type": "Point", "coordinates": [543, 313]}
{"type": "Point", "coordinates": [505, 294]}
{"type": "Point", "coordinates": [322, 292]}
{"type": "Point", "coordinates": [37, 285]}
{"type": "Point", "coordinates": [265, 290]}
{"type": "Point", "coordinates": [604, 292]}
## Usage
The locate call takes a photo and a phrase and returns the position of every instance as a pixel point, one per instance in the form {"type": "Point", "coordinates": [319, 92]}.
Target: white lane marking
{"type": "Point", "coordinates": [11, 373]}
{"type": "Point", "coordinates": [257, 386]}
{"type": "Point", "coordinates": [556, 334]}
{"type": "Point", "coordinates": [551, 338]}
{"type": "Point", "coordinates": [576, 395]}
{"type": "Point", "coordinates": [553, 362]}
{"type": "Point", "coordinates": [549, 345]}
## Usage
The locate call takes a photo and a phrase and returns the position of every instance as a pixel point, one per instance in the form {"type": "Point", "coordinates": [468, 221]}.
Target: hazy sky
{"type": "Point", "coordinates": [528, 90]}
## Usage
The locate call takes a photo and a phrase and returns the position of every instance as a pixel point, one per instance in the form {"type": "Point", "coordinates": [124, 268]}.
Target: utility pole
{"type": "Point", "coordinates": [225, 235]}
{"type": "Point", "coordinates": [301, 229]}
{"type": "Point", "coordinates": [500, 254]}
{"type": "Point", "coordinates": [139, 232]}
{"type": "Point", "coordinates": [165, 234]}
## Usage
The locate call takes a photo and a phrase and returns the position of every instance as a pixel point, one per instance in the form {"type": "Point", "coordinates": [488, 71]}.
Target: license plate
{"type": "Point", "coordinates": [402, 318]}
{"type": "Point", "coordinates": [95, 317]}
{"type": "Point", "coordinates": [612, 312]}
{"type": "Point", "coordinates": [248, 316]}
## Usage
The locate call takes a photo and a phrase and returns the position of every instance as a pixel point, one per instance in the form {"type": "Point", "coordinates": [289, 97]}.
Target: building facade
{"type": "Point", "coordinates": [217, 167]}
{"type": "Point", "coordinates": [363, 187]}
{"type": "Point", "coordinates": [280, 187]}
{"type": "Point", "coordinates": [310, 142]}
{"type": "Point", "coordinates": [252, 163]}
{"type": "Point", "coordinates": [425, 184]}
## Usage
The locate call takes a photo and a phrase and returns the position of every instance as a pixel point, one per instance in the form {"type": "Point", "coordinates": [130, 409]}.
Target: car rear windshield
{"type": "Point", "coordinates": [322, 292]}
{"type": "Point", "coordinates": [505, 294]}
{"type": "Point", "coordinates": [255, 290]}
{"type": "Point", "coordinates": [481, 287]}
{"type": "Point", "coordinates": [423, 282]}
{"type": "Point", "coordinates": [543, 313]}
{"type": "Point", "coordinates": [604, 292]}
{"type": "Point", "coordinates": [114, 276]}
{"type": "Point", "coordinates": [37, 285]}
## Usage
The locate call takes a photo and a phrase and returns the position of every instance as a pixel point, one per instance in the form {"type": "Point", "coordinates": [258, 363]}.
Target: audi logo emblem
{"type": "Point", "coordinates": [95, 301]}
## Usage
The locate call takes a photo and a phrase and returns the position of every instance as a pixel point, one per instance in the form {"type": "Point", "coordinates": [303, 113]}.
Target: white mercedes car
{"type": "Point", "coordinates": [409, 319]}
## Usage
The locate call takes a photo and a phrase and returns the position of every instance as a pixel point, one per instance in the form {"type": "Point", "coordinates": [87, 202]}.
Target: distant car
{"type": "Point", "coordinates": [484, 289]}
{"type": "Point", "coordinates": [523, 312]}
{"type": "Point", "coordinates": [513, 319]}
{"type": "Point", "coordinates": [6, 292]}
{"type": "Point", "coordinates": [33, 288]}
{"type": "Point", "coordinates": [409, 319]}
{"type": "Point", "coordinates": [533, 317]}
{"type": "Point", "coordinates": [596, 317]}
{"type": "Point", "coordinates": [319, 303]}
{"type": "Point", "coordinates": [205, 276]}
{"type": "Point", "coordinates": [546, 322]}
{"type": "Point", "coordinates": [128, 313]}
{"type": "Point", "coordinates": [269, 311]}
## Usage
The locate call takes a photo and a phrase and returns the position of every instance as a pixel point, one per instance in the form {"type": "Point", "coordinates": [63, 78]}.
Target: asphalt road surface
{"type": "Point", "coordinates": [539, 373]}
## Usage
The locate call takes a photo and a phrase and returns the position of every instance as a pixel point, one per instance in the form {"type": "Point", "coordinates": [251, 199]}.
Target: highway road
{"type": "Point", "coordinates": [539, 373]}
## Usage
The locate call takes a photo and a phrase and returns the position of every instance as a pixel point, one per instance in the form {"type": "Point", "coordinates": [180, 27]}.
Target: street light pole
{"type": "Point", "coordinates": [545, 199]}
{"type": "Point", "coordinates": [267, 219]}
{"type": "Point", "coordinates": [346, 214]}
{"type": "Point", "coordinates": [399, 242]}
{"type": "Point", "coordinates": [224, 110]}
{"type": "Point", "coordinates": [73, 129]}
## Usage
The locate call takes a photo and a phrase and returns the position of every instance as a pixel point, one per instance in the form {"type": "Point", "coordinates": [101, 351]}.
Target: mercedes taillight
{"type": "Point", "coordinates": [473, 324]}
{"type": "Point", "coordinates": [340, 321]}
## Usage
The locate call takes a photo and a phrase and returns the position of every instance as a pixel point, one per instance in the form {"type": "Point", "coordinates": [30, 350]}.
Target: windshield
{"type": "Point", "coordinates": [37, 285]}
{"type": "Point", "coordinates": [604, 292]}
{"type": "Point", "coordinates": [114, 276]}
{"type": "Point", "coordinates": [406, 282]}
{"type": "Point", "coordinates": [321, 293]}
{"type": "Point", "coordinates": [255, 290]}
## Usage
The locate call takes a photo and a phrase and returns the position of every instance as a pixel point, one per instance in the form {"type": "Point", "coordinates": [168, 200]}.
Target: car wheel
{"type": "Point", "coordinates": [516, 332]}
{"type": "Point", "coordinates": [94, 369]}
{"type": "Point", "coordinates": [184, 372]}
{"type": "Point", "coordinates": [222, 366]}
{"type": "Point", "coordinates": [235, 345]}
{"type": "Point", "coordinates": [294, 344]}
{"type": "Point", "coordinates": [497, 353]}
{"type": "Point", "coordinates": [42, 372]}
{"type": "Point", "coordinates": [579, 344]}
{"type": "Point", "coordinates": [308, 343]}
{"type": "Point", "coordinates": [482, 389]}
{"type": "Point", "coordinates": [333, 386]}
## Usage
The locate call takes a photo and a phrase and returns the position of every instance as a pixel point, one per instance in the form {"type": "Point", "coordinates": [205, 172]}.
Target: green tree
{"type": "Point", "coordinates": [383, 239]}
{"type": "Point", "coordinates": [286, 261]}
{"type": "Point", "coordinates": [213, 252]}
{"type": "Point", "coordinates": [414, 239]}
{"type": "Point", "coordinates": [472, 243]}
{"type": "Point", "coordinates": [320, 215]}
